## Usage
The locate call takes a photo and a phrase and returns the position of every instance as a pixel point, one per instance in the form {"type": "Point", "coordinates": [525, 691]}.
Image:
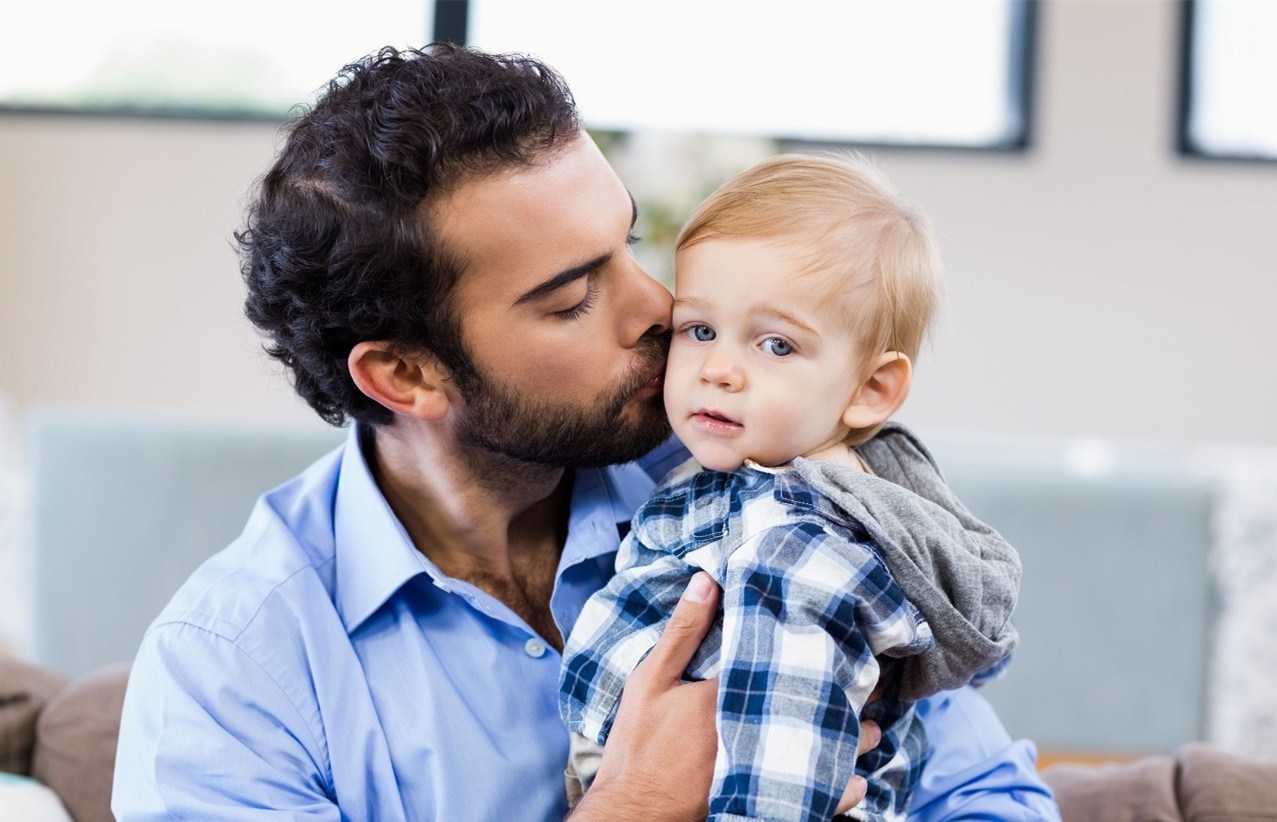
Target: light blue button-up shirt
{"type": "Point", "coordinates": [322, 668]}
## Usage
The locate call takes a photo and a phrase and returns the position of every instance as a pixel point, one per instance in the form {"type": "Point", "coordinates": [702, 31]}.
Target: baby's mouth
{"type": "Point", "coordinates": [715, 421]}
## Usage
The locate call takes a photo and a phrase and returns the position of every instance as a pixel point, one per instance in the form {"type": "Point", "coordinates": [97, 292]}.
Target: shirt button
{"type": "Point", "coordinates": [535, 648]}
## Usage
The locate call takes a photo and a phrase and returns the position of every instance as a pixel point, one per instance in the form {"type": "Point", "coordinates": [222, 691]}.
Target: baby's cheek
{"type": "Point", "coordinates": [676, 384]}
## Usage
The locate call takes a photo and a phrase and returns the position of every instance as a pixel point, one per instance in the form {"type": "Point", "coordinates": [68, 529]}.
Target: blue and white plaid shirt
{"type": "Point", "coordinates": [807, 606]}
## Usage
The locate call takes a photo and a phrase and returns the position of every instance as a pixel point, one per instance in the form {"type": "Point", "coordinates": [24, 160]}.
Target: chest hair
{"type": "Point", "coordinates": [527, 593]}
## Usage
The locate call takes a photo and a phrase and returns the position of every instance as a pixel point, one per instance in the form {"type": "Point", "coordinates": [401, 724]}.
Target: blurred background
{"type": "Point", "coordinates": [1102, 387]}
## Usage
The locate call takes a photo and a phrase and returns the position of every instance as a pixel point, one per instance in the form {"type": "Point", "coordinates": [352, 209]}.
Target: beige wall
{"type": "Point", "coordinates": [1101, 285]}
{"type": "Point", "coordinates": [119, 280]}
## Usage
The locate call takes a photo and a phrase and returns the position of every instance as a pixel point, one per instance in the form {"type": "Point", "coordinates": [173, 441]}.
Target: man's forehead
{"type": "Point", "coordinates": [532, 222]}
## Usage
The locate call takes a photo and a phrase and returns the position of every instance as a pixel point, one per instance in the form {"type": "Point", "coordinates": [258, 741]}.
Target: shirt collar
{"type": "Point", "coordinates": [375, 556]}
{"type": "Point", "coordinates": [603, 503]}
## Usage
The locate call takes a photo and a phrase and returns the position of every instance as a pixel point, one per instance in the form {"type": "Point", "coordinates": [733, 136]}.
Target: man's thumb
{"type": "Point", "coordinates": [686, 628]}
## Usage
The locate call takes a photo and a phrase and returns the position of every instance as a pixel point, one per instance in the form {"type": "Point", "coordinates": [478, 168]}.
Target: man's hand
{"type": "Point", "coordinates": [870, 736]}
{"type": "Point", "coordinates": [659, 759]}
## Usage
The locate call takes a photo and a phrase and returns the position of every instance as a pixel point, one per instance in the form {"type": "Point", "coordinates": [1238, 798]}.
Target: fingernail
{"type": "Point", "coordinates": [698, 589]}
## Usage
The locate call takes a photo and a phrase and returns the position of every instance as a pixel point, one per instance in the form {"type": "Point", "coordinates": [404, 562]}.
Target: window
{"type": "Point", "coordinates": [195, 58]}
{"type": "Point", "coordinates": [921, 73]}
{"type": "Point", "coordinates": [1229, 80]}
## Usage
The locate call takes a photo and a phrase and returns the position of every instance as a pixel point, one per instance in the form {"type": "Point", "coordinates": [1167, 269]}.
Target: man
{"type": "Point", "coordinates": [441, 254]}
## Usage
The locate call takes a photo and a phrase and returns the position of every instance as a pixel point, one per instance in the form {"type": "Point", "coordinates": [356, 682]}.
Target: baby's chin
{"type": "Point", "coordinates": [715, 458]}
{"type": "Point", "coordinates": [727, 466]}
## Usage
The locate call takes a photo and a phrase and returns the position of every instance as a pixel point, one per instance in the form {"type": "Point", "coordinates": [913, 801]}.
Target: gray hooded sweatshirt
{"type": "Point", "coordinates": [960, 574]}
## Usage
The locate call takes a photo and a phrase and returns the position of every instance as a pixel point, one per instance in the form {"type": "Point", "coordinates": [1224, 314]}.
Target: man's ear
{"type": "Point", "coordinates": [881, 393]}
{"type": "Point", "coordinates": [411, 384]}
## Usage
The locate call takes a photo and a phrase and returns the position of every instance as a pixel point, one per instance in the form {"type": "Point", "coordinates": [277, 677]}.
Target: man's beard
{"type": "Point", "coordinates": [562, 435]}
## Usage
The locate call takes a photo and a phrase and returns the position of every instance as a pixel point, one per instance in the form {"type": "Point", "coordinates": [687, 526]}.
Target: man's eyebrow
{"type": "Point", "coordinates": [564, 277]}
{"type": "Point", "coordinates": [576, 272]}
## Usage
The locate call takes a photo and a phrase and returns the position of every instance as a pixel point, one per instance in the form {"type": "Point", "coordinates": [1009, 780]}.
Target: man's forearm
{"type": "Point", "coordinates": [606, 804]}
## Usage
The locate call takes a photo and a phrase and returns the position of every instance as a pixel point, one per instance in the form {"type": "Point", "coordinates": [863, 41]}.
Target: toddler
{"type": "Point", "coordinates": [804, 288]}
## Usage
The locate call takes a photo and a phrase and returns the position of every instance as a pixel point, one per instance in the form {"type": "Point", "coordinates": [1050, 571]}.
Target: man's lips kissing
{"type": "Point", "coordinates": [652, 387]}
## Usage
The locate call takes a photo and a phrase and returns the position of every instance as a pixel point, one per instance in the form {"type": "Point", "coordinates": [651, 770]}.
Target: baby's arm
{"type": "Point", "coordinates": [790, 695]}
{"type": "Point", "coordinates": [617, 628]}
{"type": "Point", "coordinates": [660, 752]}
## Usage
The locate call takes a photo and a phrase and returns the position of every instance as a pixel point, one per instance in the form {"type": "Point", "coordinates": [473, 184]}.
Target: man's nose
{"type": "Point", "coordinates": [647, 305]}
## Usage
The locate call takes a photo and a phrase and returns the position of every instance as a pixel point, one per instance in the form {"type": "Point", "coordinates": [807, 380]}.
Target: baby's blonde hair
{"type": "Point", "coordinates": [874, 252]}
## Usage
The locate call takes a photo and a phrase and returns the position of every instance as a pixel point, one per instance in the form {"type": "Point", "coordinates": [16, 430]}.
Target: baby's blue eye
{"type": "Point", "coordinates": [777, 346]}
{"type": "Point", "coordinates": [701, 333]}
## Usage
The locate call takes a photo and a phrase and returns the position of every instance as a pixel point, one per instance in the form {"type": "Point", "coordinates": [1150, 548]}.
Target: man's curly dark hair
{"type": "Point", "coordinates": [337, 249]}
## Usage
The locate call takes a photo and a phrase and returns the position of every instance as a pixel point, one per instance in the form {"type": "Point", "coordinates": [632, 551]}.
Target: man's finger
{"type": "Point", "coordinates": [855, 792]}
{"type": "Point", "coordinates": [870, 736]}
{"type": "Point", "coordinates": [684, 632]}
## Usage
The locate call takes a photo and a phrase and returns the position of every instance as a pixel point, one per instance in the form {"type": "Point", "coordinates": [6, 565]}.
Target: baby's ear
{"type": "Point", "coordinates": [881, 393]}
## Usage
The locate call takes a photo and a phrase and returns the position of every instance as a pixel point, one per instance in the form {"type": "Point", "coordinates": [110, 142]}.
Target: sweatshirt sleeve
{"type": "Point", "coordinates": [960, 573]}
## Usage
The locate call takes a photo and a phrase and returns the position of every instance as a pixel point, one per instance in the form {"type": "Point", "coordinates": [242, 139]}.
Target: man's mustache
{"type": "Point", "coordinates": [654, 350]}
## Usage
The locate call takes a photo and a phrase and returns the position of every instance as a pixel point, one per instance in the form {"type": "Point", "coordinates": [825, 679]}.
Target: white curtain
{"type": "Point", "coordinates": [1243, 693]}
{"type": "Point", "coordinates": [15, 562]}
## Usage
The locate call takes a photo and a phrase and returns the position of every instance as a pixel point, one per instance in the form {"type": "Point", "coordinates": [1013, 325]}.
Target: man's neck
{"type": "Point", "coordinates": [478, 517]}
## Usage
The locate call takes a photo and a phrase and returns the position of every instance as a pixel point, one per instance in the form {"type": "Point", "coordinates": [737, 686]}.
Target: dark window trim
{"type": "Point", "coordinates": [1184, 97]}
{"type": "Point", "coordinates": [1024, 81]}
{"type": "Point", "coordinates": [140, 113]}
{"type": "Point", "coordinates": [452, 21]}
{"type": "Point", "coordinates": [1185, 145]}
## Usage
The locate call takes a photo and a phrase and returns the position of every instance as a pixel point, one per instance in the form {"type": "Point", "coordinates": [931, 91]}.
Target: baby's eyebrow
{"type": "Point", "coordinates": [759, 311]}
{"type": "Point", "coordinates": [776, 313]}
{"type": "Point", "coordinates": [691, 302]}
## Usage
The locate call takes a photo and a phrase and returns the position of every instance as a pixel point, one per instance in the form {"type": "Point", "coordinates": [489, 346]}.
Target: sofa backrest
{"type": "Point", "coordinates": [1115, 606]}
{"type": "Point", "coordinates": [125, 508]}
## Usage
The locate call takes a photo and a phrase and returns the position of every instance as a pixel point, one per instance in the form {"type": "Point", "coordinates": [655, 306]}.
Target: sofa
{"type": "Point", "coordinates": [63, 735]}
{"type": "Point", "coordinates": [1197, 782]}
{"type": "Point", "coordinates": [125, 506]}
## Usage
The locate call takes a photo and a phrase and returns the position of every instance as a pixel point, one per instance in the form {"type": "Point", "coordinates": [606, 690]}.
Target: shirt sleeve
{"type": "Point", "coordinates": [208, 733]}
{"type": "Point", "coordinates": [975, 770]}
